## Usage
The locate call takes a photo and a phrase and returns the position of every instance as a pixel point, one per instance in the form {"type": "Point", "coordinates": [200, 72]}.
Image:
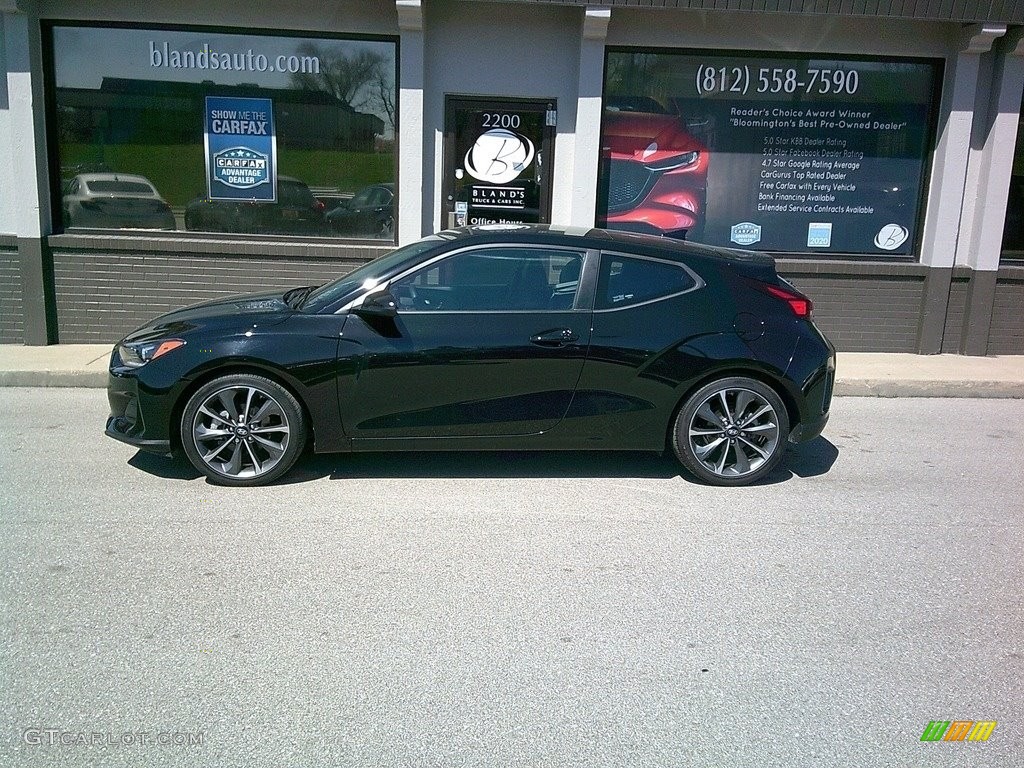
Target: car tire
{"type": "Point", "coordinates": [219, 438]}
{"type": "Point", "coordinates": [731, 432]}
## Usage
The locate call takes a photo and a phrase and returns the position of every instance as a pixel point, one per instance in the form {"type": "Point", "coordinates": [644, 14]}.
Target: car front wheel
{"type": "Point", "coordinates": [731, 432]}
{"type": "Point", "coordinates": [242, 430]}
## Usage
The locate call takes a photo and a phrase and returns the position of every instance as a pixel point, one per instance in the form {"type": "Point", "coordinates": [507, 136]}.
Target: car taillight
{"type": "Point", "coordinates": [319, 205]}
{"type": "Point", "coordinates": [798, 303]}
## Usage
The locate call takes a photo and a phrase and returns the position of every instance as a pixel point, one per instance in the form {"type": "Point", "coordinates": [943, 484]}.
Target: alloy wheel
{"type": "Point", "coordinates": [733, 432]}
{"type": "Point", "coordinates": [241, 432]}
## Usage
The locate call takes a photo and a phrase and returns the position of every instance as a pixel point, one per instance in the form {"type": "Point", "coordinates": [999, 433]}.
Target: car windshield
{"type": "Point", "coordinates": [353, 282]}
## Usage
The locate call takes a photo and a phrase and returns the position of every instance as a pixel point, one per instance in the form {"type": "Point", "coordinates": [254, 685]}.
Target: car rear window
{"type": "Point", "coordinates": [290, 193]}
{"type": "Point", "coordinates": [625, 281]}
{"type": "Point", "coordinates": [120, 188]}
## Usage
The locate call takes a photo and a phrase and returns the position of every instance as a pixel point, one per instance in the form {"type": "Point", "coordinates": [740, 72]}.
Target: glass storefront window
{"type": "Point", "coordinates": [785, 153]}
{"type": "Point", "coordinates": [1013, 230]}
{"type": "Point", "coordinates": [210, 131]}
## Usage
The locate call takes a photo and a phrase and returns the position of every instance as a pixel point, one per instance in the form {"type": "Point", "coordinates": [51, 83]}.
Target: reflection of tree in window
{"type": "Point", "coordinates": [363, 80]}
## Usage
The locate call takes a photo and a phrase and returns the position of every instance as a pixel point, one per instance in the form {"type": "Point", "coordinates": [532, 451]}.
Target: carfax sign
{"type": "Point", "coordinates": [241, 149]}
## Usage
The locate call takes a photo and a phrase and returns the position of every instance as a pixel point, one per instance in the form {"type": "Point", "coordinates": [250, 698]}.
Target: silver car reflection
{"type": "Point", "coordinates": [115, 201]}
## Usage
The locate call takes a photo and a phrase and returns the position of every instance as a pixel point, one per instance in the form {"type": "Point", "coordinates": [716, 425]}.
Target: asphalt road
{"type": "Point", "coordinates": [515, 610]}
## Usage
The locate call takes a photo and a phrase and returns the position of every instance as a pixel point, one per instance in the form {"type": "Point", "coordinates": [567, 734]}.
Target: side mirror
{"type": "Point", "coordinates": [378, 304]}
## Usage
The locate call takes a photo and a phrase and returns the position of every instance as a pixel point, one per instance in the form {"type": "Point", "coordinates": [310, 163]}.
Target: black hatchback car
{"type": "Point", "coordinates": [496, 337]}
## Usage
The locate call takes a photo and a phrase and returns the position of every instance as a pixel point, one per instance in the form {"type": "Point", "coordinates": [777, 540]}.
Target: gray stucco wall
{"type": "Point", "coordinates": [1010, 11]}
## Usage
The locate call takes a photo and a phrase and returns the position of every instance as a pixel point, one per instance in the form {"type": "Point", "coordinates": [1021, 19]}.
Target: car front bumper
{"type": "Point", "coordinates": [126, 422]}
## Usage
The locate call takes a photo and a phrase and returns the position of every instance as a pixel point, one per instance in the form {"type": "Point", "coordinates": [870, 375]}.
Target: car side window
{"type": "Point", "coordinates": [494, 279]}
{"type": "Point", "coordinates": [361, 199]}
{"type": "Point", "coordinates": [625, 281]}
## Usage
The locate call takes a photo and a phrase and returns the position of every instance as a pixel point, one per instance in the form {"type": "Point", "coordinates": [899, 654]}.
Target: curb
{"type": "Point", "coordinates": [82, 379]}
{"type": "Point", "coordinates": [927, 388]}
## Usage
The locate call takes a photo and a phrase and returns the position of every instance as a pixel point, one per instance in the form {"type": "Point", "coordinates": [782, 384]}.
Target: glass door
{"type": "Point", "coordinates": [498, 160]}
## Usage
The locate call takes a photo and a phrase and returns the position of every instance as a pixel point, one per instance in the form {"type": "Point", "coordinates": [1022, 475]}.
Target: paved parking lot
{"type": "Point", "coordinates": [515, 610]}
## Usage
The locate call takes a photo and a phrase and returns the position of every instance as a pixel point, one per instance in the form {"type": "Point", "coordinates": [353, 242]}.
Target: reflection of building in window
{"type": "Point", "coordinates": [155, 112]}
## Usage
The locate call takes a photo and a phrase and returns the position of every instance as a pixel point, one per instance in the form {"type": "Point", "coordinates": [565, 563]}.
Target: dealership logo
{"type": "Point", "coordinates": [499, 156]}
{"type": "Point", "coordinates": [819, 234]}
{"type": "Point", "coordinates": [891, 236]}
{"type": "Point", "coordinates": [745, 233]}
{"type": "Point", "coordinates": [958, 730]}
{"type": "Point", "coordinates": [241, 168]}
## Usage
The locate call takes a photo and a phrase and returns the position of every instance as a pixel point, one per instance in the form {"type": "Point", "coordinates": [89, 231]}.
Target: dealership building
{"type": "Point", "coordinates": [159, 154]}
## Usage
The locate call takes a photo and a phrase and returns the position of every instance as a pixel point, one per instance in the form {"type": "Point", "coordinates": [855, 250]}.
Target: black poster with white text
{"type": "Point", "coordinates": [795, 154]}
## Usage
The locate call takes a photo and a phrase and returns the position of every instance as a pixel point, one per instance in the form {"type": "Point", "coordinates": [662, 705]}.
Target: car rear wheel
{"type": "Point", "coordinates": [243, 430]}
{"type": "Point", "coordinates": [731, 432]}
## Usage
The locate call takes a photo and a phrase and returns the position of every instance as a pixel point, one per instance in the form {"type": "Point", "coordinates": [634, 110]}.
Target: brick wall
{"type": "Point", "coordinates": [106, 288]}
{"type": "Point", "coordinates": [1006, 334]}
{"type": "Point", "coordinates": [955, 312]}
{"type": "Point", "coordinates": [859, 311]}
{"type": "Point", "coordinates": [12, 327]}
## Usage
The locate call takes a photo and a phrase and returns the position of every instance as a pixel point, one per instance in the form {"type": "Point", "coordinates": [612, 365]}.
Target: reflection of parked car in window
{"type": "Point", "coordinates": [370, 213]}
{"type": "Point", "coordinates": [115, 200]}
{"type": "Point", "coordinates": [654, 171]}
{"type": "Point", "coordinates": [295, 212]}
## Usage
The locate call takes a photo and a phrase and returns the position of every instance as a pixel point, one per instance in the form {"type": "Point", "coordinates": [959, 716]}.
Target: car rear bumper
{"type": "Point", "coordinates": [817, 402]}
{"type": "Point", "coordinates": [808, 430]}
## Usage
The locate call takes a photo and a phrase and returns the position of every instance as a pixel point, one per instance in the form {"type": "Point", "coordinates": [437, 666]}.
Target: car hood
{"type": "Point", "coordinates": [267, 308]}
{"type": "Point", "coordinates": [629, 133]}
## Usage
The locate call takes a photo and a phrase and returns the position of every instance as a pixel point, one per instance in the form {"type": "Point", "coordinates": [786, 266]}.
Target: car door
{"type": "Point", "coordinates": [488, 341]}
{"type": "Point", "coordinates": [645, 309]}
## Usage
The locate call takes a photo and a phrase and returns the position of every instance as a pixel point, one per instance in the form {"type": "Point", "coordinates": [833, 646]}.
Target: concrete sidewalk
{"type": "Point", "coordinates": [859, 374]}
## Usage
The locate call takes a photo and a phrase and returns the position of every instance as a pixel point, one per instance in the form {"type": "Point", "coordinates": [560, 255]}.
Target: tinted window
{"type": "Point", "coordinates": [625, 281]}
{"type": "Point", "coordinates": [134, 101]}
{"type": "Point", "coordinates": [294, 194]}
{"type": "Point", "coordinates": [120, 188]}
{"type": "Point", "coordinates": [361, 200]}
{"type": "Point", "coordinates": [495, 279]}
{"type": "Point", "coordinates": [364, 277]}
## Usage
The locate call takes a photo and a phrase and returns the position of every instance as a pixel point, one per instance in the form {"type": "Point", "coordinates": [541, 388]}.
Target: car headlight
{"type": "Point", "coordinates": [673, 162]}
{"type": "Point", "coordinates": [136, 354]}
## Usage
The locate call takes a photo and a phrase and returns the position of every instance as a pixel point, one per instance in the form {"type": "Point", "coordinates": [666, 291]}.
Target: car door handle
{"type": "Point", "coordinates": [558, 337]}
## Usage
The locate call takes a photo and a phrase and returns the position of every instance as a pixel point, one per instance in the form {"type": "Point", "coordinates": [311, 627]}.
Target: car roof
{"type": "Point", "coordinates": [605, 239]}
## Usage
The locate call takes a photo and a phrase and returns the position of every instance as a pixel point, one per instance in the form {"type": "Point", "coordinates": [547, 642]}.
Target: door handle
{"type": "Point", "coordinates": [557, 337]}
